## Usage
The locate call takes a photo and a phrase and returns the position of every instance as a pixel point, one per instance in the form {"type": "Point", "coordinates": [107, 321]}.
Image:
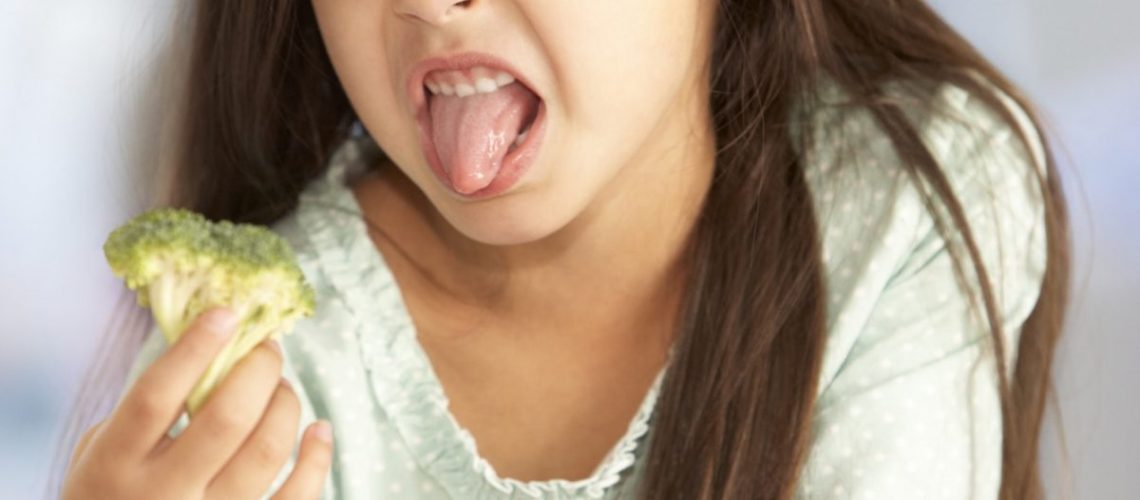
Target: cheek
{"type": "Point", "coordinates": [359, 45]}
{"type": "Point", "coordinates": [620, 67]}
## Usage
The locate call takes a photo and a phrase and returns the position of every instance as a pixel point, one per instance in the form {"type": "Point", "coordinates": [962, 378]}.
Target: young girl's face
{"type": "Point", "coordinates": [609, 94]}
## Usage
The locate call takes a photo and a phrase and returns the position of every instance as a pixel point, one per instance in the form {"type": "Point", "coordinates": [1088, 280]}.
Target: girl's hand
{"type": "Point", "coordinates": [234, 447]}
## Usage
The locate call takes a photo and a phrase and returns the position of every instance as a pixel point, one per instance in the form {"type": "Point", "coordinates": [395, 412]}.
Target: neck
{"type": "Point", "coordinates": [614, 266]}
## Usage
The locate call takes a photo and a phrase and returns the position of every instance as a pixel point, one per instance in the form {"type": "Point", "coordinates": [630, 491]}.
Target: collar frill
{"type": "Point", "coordinates": [402, 380]}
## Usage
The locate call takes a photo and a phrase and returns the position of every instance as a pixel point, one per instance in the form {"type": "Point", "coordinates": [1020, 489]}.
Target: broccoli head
{"type": "Point", "coordinates": [180, 264]}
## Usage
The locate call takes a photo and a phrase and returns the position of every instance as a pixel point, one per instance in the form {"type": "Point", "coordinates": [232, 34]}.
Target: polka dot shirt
{"type": "Point", "coordinates": [907, 404]}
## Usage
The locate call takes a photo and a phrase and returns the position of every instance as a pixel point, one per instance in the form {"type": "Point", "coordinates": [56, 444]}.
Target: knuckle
{"type": "Point", "coordinates": [197, 347]}
{"type": "Point", "coordinates": [147, 406]}
{"type": "Point", "coordinates": [223, 422]}
{"type": "Point", "coordinates": [269, 451]}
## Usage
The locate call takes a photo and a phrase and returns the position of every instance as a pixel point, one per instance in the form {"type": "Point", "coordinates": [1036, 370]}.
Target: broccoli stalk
{"type": "Point", "coordinates": [180, 264]}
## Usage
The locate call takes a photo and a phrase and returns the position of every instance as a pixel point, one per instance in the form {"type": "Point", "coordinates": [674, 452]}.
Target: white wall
{"type": "Point", "coordinates": [1081, 61]}
{"type": "Point", "coordinates": [70, 69]}
{"type": "Point", "coordinates": [69, 74]}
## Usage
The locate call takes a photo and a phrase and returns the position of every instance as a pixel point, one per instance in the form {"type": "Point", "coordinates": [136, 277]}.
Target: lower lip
{"type": "Point", "coordinates": [516, 164]}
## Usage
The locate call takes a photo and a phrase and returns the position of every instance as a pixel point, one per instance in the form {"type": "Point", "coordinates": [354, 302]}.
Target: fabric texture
{"type": "Point", "coordinates": [907, 402]}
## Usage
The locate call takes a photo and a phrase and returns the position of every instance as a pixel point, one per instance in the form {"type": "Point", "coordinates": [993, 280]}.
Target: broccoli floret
{"type": "Point", "coordinates": [180, 264]}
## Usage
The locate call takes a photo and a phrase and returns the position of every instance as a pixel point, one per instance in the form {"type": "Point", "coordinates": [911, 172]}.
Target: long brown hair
{"type": "Point", "coordinates": [263, 110]}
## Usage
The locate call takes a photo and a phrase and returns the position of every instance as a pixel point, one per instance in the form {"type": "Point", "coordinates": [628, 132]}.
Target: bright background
{"type": "Point", "coordinates": [71, 72]}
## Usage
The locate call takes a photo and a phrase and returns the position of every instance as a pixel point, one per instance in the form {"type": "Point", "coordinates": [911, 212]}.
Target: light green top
{"type": "Point", "coordinates": [907, 402]}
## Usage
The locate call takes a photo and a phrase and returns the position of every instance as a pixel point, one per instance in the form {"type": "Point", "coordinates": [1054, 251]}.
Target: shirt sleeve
{"type": "Point", "coordinates": [908, 404]}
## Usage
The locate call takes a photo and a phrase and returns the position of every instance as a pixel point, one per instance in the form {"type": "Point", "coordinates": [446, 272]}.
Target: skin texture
{"type": "Point", "coordinates": [233, 448]}
{"type": "Point", "coordinates": [626, 162]}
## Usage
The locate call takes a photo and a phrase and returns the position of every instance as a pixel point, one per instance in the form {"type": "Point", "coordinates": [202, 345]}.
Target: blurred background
{"type": "Point", "coordinates": [73, 72]}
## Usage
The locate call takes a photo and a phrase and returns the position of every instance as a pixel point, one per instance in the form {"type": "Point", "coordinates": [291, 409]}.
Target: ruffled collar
{"type": "Point", "coordinates": [403, 381]}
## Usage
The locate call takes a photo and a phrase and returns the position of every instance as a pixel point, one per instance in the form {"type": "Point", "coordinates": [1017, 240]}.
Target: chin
{"type": "Point", "coordinates": [504, 224]}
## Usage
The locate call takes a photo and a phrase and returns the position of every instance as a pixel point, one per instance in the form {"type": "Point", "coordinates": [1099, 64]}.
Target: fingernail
{"type": "Point", "coordinates": [220, 322]}
{"type": "Point", "coordinates": [323, 431]}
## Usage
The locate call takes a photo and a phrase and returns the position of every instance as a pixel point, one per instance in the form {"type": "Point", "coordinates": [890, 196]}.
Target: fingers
{"type": "Point", "coordinates": [227, 418]}
{"type": "Point", "coordinates": [155, 400]}
{"type": "Point", "coordinates": [251, 471]}
{"type": "Point", "coordinates": [312, 466]}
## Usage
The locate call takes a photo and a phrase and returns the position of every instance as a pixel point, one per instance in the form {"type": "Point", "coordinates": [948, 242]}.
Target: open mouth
{"type": "Point", "coordinates": [480, 127]}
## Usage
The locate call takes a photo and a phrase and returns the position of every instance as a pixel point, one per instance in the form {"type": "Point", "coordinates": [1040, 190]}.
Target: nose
{"type": "Point", "coordinates": [435, 12]}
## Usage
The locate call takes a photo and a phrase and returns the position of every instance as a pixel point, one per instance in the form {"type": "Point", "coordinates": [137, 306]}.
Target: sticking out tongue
{"type": "Point", "coordinates": [473, 134]}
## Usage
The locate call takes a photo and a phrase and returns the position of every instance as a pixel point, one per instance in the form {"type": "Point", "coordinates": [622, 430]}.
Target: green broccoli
{"type": "Point", "coordinates": [180, 264]}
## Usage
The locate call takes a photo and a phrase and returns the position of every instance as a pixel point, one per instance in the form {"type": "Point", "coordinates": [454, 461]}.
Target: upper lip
{"type": "Point", "coordinates": [456, 62]}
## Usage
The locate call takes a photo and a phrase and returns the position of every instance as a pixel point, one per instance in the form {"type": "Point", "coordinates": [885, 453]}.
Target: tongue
{"type": "Point", "coordinates": [473, 134]}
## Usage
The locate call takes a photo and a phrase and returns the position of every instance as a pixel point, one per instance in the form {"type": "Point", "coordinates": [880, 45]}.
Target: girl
{"type": "Point", "coordinates": [686, 249]}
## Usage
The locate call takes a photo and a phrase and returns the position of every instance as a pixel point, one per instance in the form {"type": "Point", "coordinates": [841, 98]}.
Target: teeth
{"type": "Point", "coordinates": [503, 79]}
{"type": "Point", "coordinates": [486, 85]}
{"type": "Point", "coordinates": [477, 80]}
{"type": "Point", "coordinates": [521, 138]}
{"type": "Point", "coordinates": [464, 90]}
